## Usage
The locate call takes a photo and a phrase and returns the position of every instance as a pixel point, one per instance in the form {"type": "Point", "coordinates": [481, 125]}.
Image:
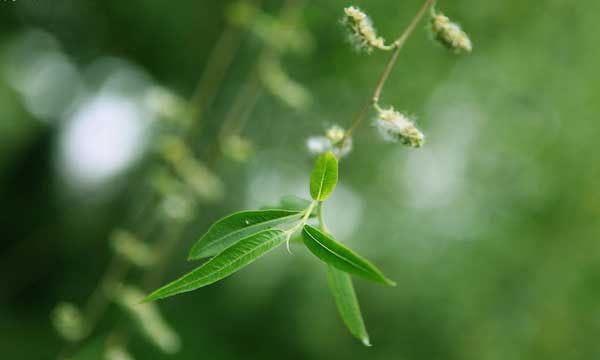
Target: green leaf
{"type": "Point", "coordinates": [224, 264]}
{"type": "Point", "coordinates": [343, 292]}
{"type": "Point", "coordinates": [232, 228]}
{"type": "Point", "coordinates": [339, 256]}
{"type": "Point", "coordinates": [324, 176]}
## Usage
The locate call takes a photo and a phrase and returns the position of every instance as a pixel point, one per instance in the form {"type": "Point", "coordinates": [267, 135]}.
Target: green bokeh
{"type": "Point", "coordinates": [490, 230]}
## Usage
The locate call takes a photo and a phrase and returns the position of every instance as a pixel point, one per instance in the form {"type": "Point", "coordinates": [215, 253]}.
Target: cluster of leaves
{"type": "Point", "coordinates": [241, 238]}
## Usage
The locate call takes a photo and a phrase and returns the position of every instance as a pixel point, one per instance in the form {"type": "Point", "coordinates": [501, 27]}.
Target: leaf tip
{"type": "Point", "coordinates": [192, 255]}
{"type": "Point", "coordinates": [151, 297]}
{"type": "Point", "coordinates": [366, 342]}
{"type": "Point", "coordinates": [196, 254]}
{"type": "Point", "coordinates": [391, 283]}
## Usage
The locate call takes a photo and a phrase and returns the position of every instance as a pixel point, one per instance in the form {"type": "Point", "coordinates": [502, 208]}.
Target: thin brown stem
{"type": "Point", "coordinates": [398, 44]}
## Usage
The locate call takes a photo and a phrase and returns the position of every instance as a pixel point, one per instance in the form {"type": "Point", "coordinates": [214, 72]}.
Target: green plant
{"type": "Point", "coordinates": [241, 238]}
{"type": "Point", "coordinates": [178, 181]}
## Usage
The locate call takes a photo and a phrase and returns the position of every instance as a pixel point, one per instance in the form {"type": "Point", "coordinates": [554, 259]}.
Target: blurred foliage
{"type": "Point", "coordinates": [490, 229]}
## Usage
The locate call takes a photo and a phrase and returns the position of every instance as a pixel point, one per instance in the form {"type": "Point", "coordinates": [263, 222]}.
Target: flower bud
{"type": "Point", "coordinates": [335, 140]}
{"type": "Point", "coordinates": [449, 34]}
{"type": "Point", "coordinates": [335, 134]}
{"type": "Point", "coordinates": [362, 34]}
{"type": "Point", "coordinates": [397, 127]}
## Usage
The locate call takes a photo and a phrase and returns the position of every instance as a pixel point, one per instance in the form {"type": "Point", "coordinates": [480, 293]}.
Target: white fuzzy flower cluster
{"type": "Point", "coordinates": [449, 34]}
{"type": "Point", "coordinates": [362, 33]}
{"type": "Point", "coordinates": [395, 126]}
{"type": "Point", "coordinates": [334, 140]}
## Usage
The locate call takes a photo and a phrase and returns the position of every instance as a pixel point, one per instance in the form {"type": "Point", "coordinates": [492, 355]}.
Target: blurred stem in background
{"type": "Point", "coordinates": [208, 86]}
{"type": "Point", "coordinates": [265, 67]}
{"type": "Point", "coordinates": [190, 178]}
{"type": "Point", "coordinates": [219, 61]}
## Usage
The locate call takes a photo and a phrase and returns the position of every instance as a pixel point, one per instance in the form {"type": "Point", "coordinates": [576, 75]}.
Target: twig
{"type": "Point", "coordinates": [398, 44]}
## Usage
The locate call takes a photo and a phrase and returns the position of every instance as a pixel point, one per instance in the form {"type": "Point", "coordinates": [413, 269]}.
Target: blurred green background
{"type": "Point", "coordinates": [490, 230]}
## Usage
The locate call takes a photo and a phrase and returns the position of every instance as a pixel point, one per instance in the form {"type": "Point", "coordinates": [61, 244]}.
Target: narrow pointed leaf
{"type": "Point", "coordinates": [232, 228]}
{"type": "Point", "coordinates": [224, 264]}
{"type": "Point", "coordinates": [339, 256]}
{"type": "Point", "coordinates": [324, 176]}
{"type": "Point", "coordinates": [343, 292]}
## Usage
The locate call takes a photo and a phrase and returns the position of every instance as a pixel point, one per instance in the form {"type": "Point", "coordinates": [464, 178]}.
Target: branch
{"type": "Point", "coordinates": [398, 44]}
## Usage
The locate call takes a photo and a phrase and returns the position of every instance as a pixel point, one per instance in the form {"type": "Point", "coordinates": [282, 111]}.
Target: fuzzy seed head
{"type": "Point", "coordinates": [397, 127]}
{"type": "Point", "coordinates": [362, 34]}
{"type": "Point", "coordinates": [450, 34]}
{"type": "Point", "coordinates": [335, 134]}
{"type": "Point", "coordinates": [318, 144]}
{"type": "Point", "coordinates": [335, 140]}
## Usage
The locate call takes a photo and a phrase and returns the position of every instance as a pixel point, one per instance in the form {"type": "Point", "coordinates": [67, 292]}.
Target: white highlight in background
{"type": "Point", "coordinates": [104, 136]}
